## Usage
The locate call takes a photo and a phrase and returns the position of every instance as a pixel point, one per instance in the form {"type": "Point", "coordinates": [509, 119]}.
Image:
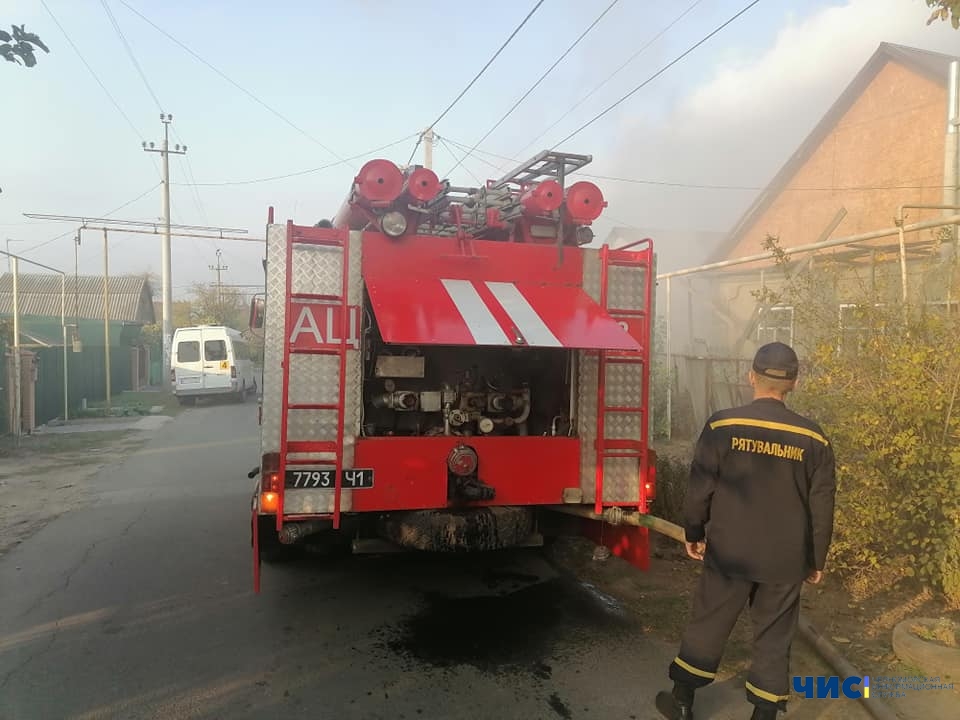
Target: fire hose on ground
{"type": "Point", "coordinates": [616, 516]}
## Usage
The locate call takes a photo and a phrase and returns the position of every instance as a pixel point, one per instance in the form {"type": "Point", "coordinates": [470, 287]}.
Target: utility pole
{"type": "Point", "coordinates": [428, 138]}
{"type": "Point", "coordinates": [106, 316]}
{"type": "Point", "coordinates": [219, 268]}
{"type": "Point", "coordinates": [9, 258]}
{"type": "Point", "coordinates": [951, 171]}
{"type": "Point", "coordinates": [17, 372]}
{"type": "Point", "coordinates": [76, 293]}
{"type": "Point", "coordinates": [165, 250]}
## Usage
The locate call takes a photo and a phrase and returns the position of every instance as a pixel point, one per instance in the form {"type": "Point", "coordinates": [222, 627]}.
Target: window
{"type": "Point", "coordinates": [857, 325]}
{"type": "Point", "coordinates": [776, 325]}
{"type": "Point", "coordinates": [188, 351]}
{"type": "Point", "coordinates": [944, 307]}
{"type": "Point", "coordinates": [241, 351]}
{"type": "Point", "coordinates": [215, 350]}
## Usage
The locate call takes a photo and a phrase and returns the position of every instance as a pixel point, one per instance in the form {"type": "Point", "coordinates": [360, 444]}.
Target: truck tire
{"type": "Point", "coordinates": [187, 401]}
{"type": "Point", "coordinates": [930, 657]}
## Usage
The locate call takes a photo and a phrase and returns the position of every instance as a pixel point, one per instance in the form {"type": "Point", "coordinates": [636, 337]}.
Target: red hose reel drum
{"type": "Point", "coordinates": [422, 184]}
{"type": "Point", "coordinates": [543, 198]}
{"type": "Point", "coordinates": [585, 202]}
{"type": "Point", "coordinates": [379, 182]}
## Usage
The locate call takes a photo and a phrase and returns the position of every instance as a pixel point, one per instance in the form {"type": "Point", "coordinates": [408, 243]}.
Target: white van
{"type": "Point", "coordinates": [210, 360]}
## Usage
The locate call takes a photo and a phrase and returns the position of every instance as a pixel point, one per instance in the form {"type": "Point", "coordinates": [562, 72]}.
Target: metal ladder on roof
{"type": "Point", "coordinates": [640, 320]}
{"type": "Point", "coordinates": [545, 165]}
{"type": "Point", "coordinates": [314, 452]}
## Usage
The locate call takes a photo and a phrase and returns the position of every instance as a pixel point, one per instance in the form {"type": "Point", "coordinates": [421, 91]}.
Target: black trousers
{"type": "Point", "coordinates": [718, 602]}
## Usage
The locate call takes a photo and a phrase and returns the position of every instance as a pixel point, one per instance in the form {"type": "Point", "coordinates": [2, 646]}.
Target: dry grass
{"type": "Point", "coordinates": [943, 632]}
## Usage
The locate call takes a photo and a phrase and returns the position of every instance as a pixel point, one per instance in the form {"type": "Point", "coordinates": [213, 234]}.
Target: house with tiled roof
{"type": "Point", "coordinates": [62, 319]}
{"type": "Point", "coordinates": [887, 143]}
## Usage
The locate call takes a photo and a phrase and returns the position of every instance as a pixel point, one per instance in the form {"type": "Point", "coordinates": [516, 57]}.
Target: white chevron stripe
{"type": "Point", "coordinates": [528, 322]}
{"type": "Point", "coordinates": [477, 316]}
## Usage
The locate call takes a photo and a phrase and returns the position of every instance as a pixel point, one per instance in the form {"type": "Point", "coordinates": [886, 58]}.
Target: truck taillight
{"type": "Point", "coordinates": [173, 376]}
{"type": "Point", "coordinates": [650, 482]}
{"type": "Point", "coordinates": [270, 469]}
{"type": "Point", "coordinates": [233, 372]}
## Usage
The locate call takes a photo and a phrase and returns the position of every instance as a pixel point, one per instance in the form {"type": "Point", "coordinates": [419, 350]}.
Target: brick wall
{"type": "Point", "coordinates": [893, 135]}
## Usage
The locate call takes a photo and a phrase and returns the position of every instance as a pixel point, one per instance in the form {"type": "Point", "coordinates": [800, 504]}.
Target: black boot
{"type": "Point", "coordinates": [764, 713]}
{"type": "Point", "coordinates": [676, 705]}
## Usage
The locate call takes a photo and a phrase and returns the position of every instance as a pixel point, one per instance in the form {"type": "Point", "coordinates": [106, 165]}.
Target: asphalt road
{"type": "Point", "coordinates": [141, 606]}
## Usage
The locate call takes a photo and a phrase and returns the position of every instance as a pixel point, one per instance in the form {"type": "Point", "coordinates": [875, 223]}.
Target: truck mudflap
{"type": "Point", "coordinates": [472, 529]}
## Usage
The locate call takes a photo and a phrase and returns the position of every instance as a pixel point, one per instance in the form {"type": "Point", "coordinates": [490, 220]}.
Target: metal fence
{"type": "Point", "coordinates": [87, 380]}
{"type": "Point", "coordinates": [702, 385]}
{"type": "Point", "coordinates": [6, 394]}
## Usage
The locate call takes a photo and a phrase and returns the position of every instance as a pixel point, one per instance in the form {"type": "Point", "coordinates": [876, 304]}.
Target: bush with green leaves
{"type": "Point", "coordinates": [885, 385]}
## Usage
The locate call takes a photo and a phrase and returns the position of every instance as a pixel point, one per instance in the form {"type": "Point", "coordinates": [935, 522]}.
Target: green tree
{"type": "Point", "coordinates": [945, 10]}
{"type": "Point", "coordinates": [21, 46]}
{"type": "Point", "coordinates": [218, 306]}
{"type": "Point", "coordinates": [881, 379]}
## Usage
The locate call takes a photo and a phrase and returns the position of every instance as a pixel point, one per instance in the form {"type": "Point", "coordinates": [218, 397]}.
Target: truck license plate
{"type": "Point", "coordinates": [358, 479]}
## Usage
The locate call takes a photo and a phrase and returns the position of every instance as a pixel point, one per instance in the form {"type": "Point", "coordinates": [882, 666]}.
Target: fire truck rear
{"type": "Point", "coordinates": [451, 369]}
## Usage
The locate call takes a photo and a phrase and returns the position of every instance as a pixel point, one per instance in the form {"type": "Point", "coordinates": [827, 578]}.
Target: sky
{"type": "Point", "coordinates": [301, 85]}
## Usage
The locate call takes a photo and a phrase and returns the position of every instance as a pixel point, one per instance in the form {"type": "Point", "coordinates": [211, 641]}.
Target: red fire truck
{"type": "Point", "coordinates": [451, 368]}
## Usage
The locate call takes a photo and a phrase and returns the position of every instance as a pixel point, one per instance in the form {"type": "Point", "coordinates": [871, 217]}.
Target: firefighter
{"type": "Point", "coordinates": [763, 477]}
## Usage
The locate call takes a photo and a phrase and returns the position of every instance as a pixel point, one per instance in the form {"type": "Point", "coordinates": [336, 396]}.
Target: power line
{"type": "Point", "coordinates": [97, 78]}
{"type": "Point", "coordinates": [489, 63]}
{"type": "Point", "coordinates": [133, 58]}
{"type": "Point", "coordinates": [230, 80]}
{"type": "Point", "coordinates": [194, 193]}
{"type": "Point", "coordinates": [656, 74]}
{"type": "Point", "coordinates": [539, 80]}
{"type": "Point", "coordinates": [115, 210]}
{"type": "Point", "coordinates": [454, 156]}
{"type": "Point", "coordinates": [91, 70]}
{"type": "Point", "coordinates": [616, 72]}
{"type": "Point", "coordinates": [416, 146]}
{"type": "Point", "coordinates": [305, 172]}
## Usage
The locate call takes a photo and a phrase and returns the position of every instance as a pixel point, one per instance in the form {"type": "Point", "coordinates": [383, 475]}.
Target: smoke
{"type": "Point", "coordinates": [749, 115]}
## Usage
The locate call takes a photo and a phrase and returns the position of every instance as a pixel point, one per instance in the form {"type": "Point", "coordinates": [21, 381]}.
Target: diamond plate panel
{"type": "Point", "coordinates": [626, 289]}
{"type": "Point", "coordinates": [353, 393]}
{"type": "Point", "coordinates": [623, 387]}
{"type": "Point", "coordinates": [587, 421]}
{"type": "Point", "coordinates": [273, 339]}
{"type": "Point", "coordinates": [312, 425]}
{"type": "Point", "coordinates": [314, 379]}
{"type": "Point", "coordinates": [624, 384]}
{"type": "Point", "coordinates": [297, 502]}
{"type": "Point", "coordinates": [623, 426]}
{"type": "Point", "coordinates": [317, 269]}
{"type": "Point", "coordinates": [591, 274]}
{"type": "Point", "coordinates": [621, 480]}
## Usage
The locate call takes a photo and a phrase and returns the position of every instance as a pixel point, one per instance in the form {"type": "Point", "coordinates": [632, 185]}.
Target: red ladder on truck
{"type": "Point", "coordinates": [640, 318]}
{"type": "Point", "coordinates": [318, 451]}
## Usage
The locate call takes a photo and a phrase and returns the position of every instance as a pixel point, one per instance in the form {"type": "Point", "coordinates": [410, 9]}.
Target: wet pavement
{"type": "Point", "coordinates": [140, 606]}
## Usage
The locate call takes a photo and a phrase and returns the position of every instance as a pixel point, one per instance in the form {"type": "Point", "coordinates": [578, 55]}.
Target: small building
{"type": "Point", "coordinates": [887, 142]}
{"type": "Point", "coordinates": [47, 305]}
